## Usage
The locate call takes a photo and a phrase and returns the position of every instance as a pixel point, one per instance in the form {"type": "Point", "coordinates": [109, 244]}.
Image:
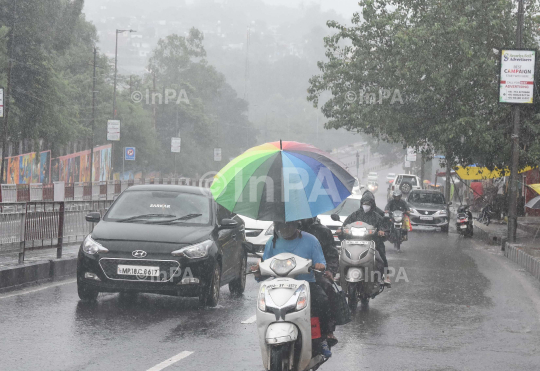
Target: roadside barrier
{"type": "Point", "coordinates": [37, 216]}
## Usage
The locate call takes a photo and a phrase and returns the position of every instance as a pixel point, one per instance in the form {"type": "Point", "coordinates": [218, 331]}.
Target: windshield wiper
{"type": "Point", "coordinates": [182, 218]}
{"type": "Point", "coordinates": [144, 216]}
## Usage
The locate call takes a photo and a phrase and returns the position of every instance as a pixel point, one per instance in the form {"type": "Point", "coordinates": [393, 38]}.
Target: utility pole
{"type": "Point", "coordinates": [153, 99]}
{"type": "Point", "coordinates": [8, 92]}
{"type": "Point", "coordinates": [93, 118]}
{"type": "Point", "coordinates": [357, 165]}
{"type": "Point", "coordinates": [514, 169]}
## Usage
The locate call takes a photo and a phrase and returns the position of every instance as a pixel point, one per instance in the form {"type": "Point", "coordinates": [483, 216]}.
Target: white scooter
{"type": "Point", "coordinates": [284, 320]}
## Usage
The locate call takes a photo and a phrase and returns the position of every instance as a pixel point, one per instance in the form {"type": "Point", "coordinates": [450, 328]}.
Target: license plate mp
{"type": "Point", "coordinates": [426, 218]}
{"type": "Point", "coordinates": [138, 270]}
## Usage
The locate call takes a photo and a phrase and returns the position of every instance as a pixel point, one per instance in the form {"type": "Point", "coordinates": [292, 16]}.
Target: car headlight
{"type": "Point", "coordinates": [442, 212]}
{"type": "Point", "coordinates": [414, 211]}
{"type": "Point", "coordinates": [199, 250]}
{"type": "Point", "coordinates": [261, 302]}
{"type": "Point", "coordinates": [283, 267]}
{"type": "Point", "coordinates": [358, 232]}
{"type": "Point", "coordinates": [302, 301]}
{"type": "Point", "coordinates": [270, 230]}
{"type": "Point", "coordinates": [91, 247]}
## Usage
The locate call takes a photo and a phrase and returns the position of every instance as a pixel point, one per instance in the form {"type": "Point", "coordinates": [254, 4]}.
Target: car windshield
{"type": "Point", "coordinates": [427, 198]}
{"type": "Point", "coordinates": [159, 207]}
{"type": "Point", "coordinates": [347, 207]}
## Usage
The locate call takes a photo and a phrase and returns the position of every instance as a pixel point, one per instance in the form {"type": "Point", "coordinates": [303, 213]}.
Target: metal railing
{"type": "Point", "coordinates": [32, 217]}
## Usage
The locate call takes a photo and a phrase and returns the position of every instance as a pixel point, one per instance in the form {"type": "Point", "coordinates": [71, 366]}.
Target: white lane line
{"type": "Point", "coordinates": [44, 287]}
{"type": "Point", "coordinates": [170, 361]}
{"type": "Point", "coordinates": [250, 320]}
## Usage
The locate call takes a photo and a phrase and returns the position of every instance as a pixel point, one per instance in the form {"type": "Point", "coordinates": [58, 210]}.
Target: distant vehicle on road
{"type": "Point", "coordinates": [163, 239]}
{"type": "Point", "coordinates": [429, 209]}
{"type": "Point", "coordinates": [358, 189]}
{"type": "Point", "coordinates": [346, 208]}
{"type": "Point", "coordinates": [390, 177]}
{"type": "Point", "coordinates": [258, 232]}
{"type": "Point", "coordinates": [372, 186]}
{"type": "Point", "coordinates": [405, 183]}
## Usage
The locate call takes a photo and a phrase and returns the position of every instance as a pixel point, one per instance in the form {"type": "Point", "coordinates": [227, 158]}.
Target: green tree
{"type": "Point", "coordinates": [441, 59]}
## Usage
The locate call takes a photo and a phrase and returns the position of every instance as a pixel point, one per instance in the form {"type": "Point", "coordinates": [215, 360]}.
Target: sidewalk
{"type": "Point", "coordinates": [525, 251]}
{"type": "Point", "coordinates": [39, 266]}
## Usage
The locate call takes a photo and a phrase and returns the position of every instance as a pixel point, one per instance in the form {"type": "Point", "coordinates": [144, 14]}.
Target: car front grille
{"type": "Point", "coordinates": [253, 232]}
{"type": "Point", "coordinates": [167, 268]}
{"type": "Point", "coordinates": [426, 212]}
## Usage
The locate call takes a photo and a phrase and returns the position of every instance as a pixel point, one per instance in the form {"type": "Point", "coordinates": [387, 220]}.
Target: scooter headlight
{"type": "Point", "coordinates": [283, 267]}
{"type": "Point", "coordinates": [347, 253]}
{"type": "Point", "coordinates": [358, 232]}
{"type": "Point", "coordinates": [261, 302]}
{"type": "Point", "coordinates": [302, 301]}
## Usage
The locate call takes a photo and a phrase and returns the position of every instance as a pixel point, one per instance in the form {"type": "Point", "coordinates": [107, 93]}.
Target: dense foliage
{"type": "Point", "coordinates": [426, 73]}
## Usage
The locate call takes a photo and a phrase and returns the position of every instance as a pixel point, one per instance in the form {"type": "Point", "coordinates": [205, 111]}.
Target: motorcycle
{"type": "Point", "coordinates": [397, 234]}
{"type": "Point", "coordinates": [464, 221]}
{"type": "Point", "coordinates": [289, 336]}
{"type": "Point", "coordinates": [360, 265]}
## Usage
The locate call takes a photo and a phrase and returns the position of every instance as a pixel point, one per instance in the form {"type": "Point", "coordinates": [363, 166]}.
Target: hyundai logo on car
{"type": "Point", "coordinates": [139, 253]}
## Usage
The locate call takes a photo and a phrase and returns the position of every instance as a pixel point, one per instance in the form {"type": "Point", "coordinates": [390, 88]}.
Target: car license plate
{"type": "Point", "coordinates": [426, 218]}
{"type": "Point", "coordinates": [463, 227]}
{"type": "Point", "coordinates": [138, 270]}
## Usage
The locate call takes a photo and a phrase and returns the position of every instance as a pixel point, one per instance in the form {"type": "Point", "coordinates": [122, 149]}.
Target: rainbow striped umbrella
{"type": "Point", "coordinates": [282, 181]}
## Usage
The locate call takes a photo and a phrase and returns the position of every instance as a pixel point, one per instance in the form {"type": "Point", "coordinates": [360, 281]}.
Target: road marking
{"type": "Point", "coordinates": [44, 287]}
{"type": "Point", "coordinates": [170, 361]}
{"type": "Point", "coordinates": [250, 320]}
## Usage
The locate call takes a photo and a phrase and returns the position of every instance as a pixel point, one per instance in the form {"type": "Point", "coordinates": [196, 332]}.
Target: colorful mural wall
{"type": "Point", "coordinates": [76, 167]}
{"type": "Point", "coordinates": [28, 168]}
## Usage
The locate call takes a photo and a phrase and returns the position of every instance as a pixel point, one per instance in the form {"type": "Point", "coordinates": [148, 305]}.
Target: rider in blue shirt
{"type": "Point", "coordinates": [288, 238]}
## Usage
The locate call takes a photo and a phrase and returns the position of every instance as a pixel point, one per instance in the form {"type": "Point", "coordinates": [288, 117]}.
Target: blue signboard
{"type": "Point", "coordinates": [129, 153]}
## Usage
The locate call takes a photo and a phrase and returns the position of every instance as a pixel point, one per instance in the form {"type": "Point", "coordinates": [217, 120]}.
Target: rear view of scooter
{"type": "Point", "coordinates": [360, 265]}
{"type": "Point", "coordinates": [288, 335]}
{"type": "Point", "coordinates": [464, 221]}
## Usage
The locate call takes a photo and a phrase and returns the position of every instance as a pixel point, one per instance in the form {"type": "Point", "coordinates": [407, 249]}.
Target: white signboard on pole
{"type": "Point", "coordinates": [411, 154]}
{"type": "Point", "coordinates": [113, 130]}
{"type": "Point", "coordinates": [1, 102]}
{"type": "Point", "coordinates": [517, 76]}
{"type": "Point", "coordinates": [217, 154]}
{"type": "Point", "coordinates": [176, 144]}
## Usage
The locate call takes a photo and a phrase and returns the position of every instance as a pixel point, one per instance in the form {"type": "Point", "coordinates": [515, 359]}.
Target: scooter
{"type": "Point", "coordinates": [397, 235]}
{"type": "Point", "coordinates": [464, 221]}
{"type": "Point", "coordinates": [361, 268]}
{"type": "Point", "coordinates": [288, 335]}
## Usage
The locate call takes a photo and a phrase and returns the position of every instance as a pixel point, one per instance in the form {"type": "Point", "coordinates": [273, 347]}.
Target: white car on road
{"type": "Point", "coordinates": [258, 232]}
{"type": "Point", "coordinates": [346, 208]}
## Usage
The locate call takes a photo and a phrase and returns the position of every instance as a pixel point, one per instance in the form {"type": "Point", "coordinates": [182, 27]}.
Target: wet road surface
{"type": "Point", "coordinates": [458, 305]}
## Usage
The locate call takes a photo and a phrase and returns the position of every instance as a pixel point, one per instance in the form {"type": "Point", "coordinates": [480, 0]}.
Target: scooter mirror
{"type": "Point", "coordinates": [335, 217]}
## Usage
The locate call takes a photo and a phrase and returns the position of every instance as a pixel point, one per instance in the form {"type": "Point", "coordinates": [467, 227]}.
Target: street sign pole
{"type": "Point", "coordinates": [512, 204]}
{"type": "Point", "coordinates": [123, 161]}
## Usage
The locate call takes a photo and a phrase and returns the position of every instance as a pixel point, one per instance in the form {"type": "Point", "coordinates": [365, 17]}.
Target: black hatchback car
{"type": "Point", "coordinates": [164, 239]}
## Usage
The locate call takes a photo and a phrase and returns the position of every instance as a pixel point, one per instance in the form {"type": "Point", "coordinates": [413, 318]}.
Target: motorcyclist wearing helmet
{"type": "Point", "coordinates": [368, 214]}
{"type": "Point", "coordinates": [396, 203]}
{"type": "Point", "coordinates": [331, 255]}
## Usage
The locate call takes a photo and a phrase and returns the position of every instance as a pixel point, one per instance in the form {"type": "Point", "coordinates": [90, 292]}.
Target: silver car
{"type": "Point", "coordinates": [429, 209]}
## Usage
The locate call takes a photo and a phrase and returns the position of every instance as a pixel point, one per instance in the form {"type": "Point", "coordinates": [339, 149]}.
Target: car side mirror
{"type": "Point", "coordinates": [335, 217]}
{"type": "Point", "coordinates": [93, 217]}
{"type": "Point", "coordinates": [228, 224]}
{"type": "Point", "coordinates": [249, 247]}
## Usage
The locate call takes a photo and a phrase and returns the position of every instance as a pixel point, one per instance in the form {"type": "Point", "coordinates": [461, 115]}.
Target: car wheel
{"type": "Point", "coordinates": [237, 286]}
{"type": "Point", "coordinates": [209, 294]}
{"type": "Point", "coordinates": [85, 292]}
{"type": "Point", "coordinates": [405, 187]}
